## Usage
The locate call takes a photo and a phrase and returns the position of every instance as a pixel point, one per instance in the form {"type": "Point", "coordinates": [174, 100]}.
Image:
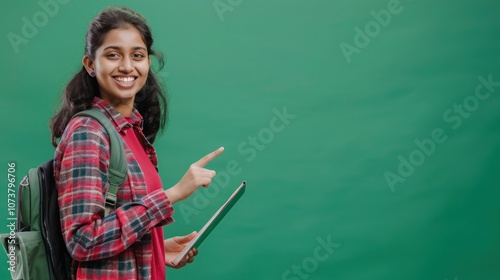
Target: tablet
{"type": "Point", "coordinates": [212, 223]}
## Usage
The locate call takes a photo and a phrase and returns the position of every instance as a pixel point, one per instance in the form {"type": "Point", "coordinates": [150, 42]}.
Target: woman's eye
{"type": "Point", "coordinates": [138, 55]}
{"type": "Point", "coordinates": [112, 55]}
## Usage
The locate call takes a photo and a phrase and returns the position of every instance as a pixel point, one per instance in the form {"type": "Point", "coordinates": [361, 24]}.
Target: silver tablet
{"type": "Point", "coordinates": [212, 222]}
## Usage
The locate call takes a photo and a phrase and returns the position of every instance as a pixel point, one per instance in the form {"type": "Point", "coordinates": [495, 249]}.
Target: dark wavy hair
{"type": "Point", "coordinates": [150, 101]}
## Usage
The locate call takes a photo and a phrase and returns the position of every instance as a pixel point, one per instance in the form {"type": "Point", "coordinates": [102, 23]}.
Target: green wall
{"type": "Point", "coordinates": [380, 138]}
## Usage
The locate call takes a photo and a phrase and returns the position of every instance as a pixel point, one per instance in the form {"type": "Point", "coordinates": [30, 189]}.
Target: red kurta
{"type": "Point", "coordinates": [153, 183]}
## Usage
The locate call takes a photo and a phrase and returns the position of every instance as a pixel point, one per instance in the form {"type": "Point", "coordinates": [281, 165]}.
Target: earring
{"type": "Point", "coordinates": [92, 74]}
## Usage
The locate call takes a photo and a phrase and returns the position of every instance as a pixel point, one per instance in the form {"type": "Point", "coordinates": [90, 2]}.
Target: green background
{"type": "Point", "coordinates": [320, 175]}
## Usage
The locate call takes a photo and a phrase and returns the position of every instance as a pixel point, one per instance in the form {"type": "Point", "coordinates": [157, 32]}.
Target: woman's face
{"type": "Point", "coordinates": [121, 65]}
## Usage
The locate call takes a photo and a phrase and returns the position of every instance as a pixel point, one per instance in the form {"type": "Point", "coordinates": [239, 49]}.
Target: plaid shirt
{"type": "Point", "coordinates": [118, 245]}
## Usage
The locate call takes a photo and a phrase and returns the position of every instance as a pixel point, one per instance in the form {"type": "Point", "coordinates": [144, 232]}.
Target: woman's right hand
{"type": "Point", "coordinates": [195, 177]}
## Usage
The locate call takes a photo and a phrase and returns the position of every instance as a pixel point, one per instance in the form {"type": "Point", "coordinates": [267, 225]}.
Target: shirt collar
{"type": "Point", "coordinates": [118, 120]}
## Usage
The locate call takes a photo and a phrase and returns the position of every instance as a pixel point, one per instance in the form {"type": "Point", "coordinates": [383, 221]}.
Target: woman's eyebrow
{"type": "Point", "coordinates": [120, 48]}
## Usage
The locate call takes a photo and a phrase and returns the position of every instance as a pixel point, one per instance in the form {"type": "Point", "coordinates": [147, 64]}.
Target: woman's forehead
{"type": "Point", "coordinates": [124, 38]}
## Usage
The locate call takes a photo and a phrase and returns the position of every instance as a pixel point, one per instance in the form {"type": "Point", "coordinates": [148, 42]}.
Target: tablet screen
{"type": "Point", "coordinates": [212, 223]}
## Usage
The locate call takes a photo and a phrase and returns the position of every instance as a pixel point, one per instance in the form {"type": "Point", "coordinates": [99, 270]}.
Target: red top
{"type": "Point", "coordinates": [118, 245]}
{"type": "Point", "coordinates": [153, 183]}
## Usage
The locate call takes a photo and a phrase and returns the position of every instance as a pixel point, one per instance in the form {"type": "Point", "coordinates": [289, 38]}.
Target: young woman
{"type": "Point", "coordinates": [116, 78]}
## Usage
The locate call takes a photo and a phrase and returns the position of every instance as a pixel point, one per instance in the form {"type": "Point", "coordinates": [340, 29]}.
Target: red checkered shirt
{"type": "Point", "coordinates": [118, 245]}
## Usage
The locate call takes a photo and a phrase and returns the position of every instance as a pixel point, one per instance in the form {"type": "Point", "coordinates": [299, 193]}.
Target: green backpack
{"type": "Point", "coordinates": [35, 247]}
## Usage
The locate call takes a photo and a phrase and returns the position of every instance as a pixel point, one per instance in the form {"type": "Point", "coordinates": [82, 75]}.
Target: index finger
{"type": "Point", "coordinates": [206, 159]}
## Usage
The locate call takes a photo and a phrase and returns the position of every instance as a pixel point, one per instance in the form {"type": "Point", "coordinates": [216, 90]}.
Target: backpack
{"type": "Point", "coordinates": [35, 247]}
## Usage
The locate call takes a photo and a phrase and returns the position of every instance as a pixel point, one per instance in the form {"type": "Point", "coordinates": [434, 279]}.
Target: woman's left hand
{"type": "Point", "coordinates": [173, 246]}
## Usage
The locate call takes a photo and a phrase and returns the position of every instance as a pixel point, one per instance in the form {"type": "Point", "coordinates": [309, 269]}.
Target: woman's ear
{"type": "Point", "coordinates": [89, 65]}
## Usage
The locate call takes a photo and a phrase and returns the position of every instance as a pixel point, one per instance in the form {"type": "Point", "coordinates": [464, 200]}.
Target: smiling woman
{"type": "Point", "coordinates": [109, 40]}
{"type": "Point", "coordinates": [121, 67]}
{"type": "Point", "coordinates": [128, 241]}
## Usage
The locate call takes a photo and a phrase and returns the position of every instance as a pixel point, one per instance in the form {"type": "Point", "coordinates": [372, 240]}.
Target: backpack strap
{"type": "Point", "coordinates": [118, 162]}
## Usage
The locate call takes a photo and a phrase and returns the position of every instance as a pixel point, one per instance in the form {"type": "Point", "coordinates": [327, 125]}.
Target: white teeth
{"type": "Point", "coordinates": [125, 79]}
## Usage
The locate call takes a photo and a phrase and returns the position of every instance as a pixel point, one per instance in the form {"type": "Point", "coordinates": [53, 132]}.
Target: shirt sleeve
{"type": "Point", "coordinates": [81, 168]}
